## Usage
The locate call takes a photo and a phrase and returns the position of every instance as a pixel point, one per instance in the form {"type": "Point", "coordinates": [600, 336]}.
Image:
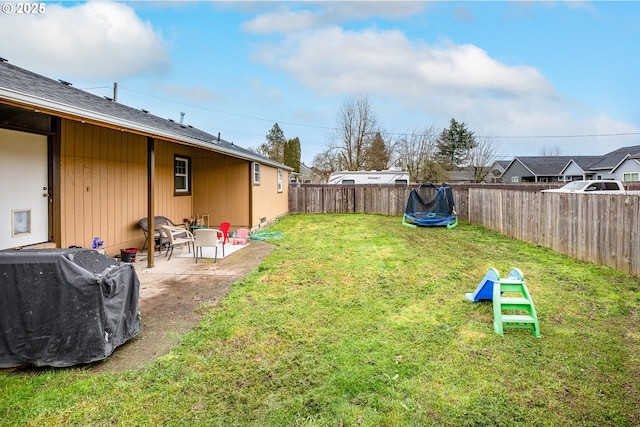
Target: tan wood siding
{"type": "Point", "coordinates": [167, 203]}
{"type": "Point", "coordinates": [102, 186]}
{"type": "Point", "coordinates": [268, 204]}
{"type": "Point", "coordinates": [221, 189]}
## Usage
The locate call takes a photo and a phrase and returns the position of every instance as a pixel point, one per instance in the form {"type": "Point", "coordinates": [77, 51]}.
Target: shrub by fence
{"type": "Point", "coordinates": [602, 229]}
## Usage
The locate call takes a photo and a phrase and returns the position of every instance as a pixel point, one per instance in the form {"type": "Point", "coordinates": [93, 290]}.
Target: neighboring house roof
{"type": "Point", "coordinates": [583, 162]}
{"type": "Point", "coordinates": [557, 165]}
{"type": "Point", "coordinates": [305, 170]}
{"type": "Point", "coordinates": [498, 168]}
{"type": "Point", "coordinates": [543, 165]}
{"type": "Point", "coordinates": [611, 160]}
{"type": "Point", "coordinates": [502, 164]}
{"type": "Point", "coordinates": [628, 158]}
{"type": "Point", "coordinates": [25, 88]}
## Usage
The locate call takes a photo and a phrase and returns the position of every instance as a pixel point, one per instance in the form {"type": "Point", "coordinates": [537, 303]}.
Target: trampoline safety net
{"type": "Point", "coordinates": [430, 206]}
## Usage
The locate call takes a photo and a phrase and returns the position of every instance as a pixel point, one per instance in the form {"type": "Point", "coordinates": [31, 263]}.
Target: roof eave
{"type": "Point", "coordinates": [84, 114]}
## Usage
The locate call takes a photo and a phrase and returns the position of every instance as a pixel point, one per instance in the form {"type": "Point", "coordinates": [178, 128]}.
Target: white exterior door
{"type": "Point", "coordinates": [24, 189]}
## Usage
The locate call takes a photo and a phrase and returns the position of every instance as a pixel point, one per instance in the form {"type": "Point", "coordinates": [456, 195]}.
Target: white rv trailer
{"type": "Point", "coordinates": [392, 176]}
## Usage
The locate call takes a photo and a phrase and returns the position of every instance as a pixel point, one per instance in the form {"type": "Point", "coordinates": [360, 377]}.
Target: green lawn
{"type": "Point", "coordinates": [356, 318]}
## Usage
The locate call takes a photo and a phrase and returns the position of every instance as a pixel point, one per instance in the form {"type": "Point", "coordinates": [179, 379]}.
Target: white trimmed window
{"type": "Point", "coordinates": [631, 176]}
{"type": "Point", "coordinates": [279, 180]}
{"type": "Point", "coordinates": [514, 179]}
{"type": "Point", "coordinates": [182, 181]}
{"type": "Point", "coordinates": [256, 173]}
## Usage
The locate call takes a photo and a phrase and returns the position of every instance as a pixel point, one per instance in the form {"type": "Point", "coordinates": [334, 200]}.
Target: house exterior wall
{"type": "Point", "coordinates": [267, 203]}
{"type": "Point", "coordinates": [602, 174]}
{"type": "Point", "coordinates": [102, 187]}
{"type": "Point", "coordinates": [166, 203]}
{"type": "Point", "coordinates": [221, 188]}
{"type": "Point", "coordinates": [516, 169]}
{"type": "Point", "coordinates": [628, 166]}
{"type": "Point", "coordinates": [573, 172]}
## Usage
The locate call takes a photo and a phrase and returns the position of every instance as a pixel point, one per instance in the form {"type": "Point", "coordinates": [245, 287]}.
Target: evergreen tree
{"type": "Point", "coordinates": [292, 154]}
{"type": "Point", "coordinates": [454, 144]}
{"type": "Point", "coordinates": [274, 147]}
{"type": "Point", "coordinates": [377, 155]}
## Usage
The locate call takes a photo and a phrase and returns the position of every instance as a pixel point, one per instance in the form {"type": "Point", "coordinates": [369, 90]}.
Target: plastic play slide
{"type": "Point", "coordinates": [484, 291]}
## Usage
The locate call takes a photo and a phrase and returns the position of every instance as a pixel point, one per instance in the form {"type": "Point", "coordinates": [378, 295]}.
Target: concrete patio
{"type": "Point", "coordinates": [170, 295]}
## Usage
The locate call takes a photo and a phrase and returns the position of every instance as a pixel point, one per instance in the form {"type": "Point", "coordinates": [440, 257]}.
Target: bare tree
{"type": "Point", "coordinates": [260, 150]}
{"type": "Point", "coordinates": [417, 154]}
{"type": "Point", "coordinates": [553, 150]}
{"type": "Point", "coordinates": [482, 156]}
{"type": "Point", "coordinates": [326, 162]}
{"type": "Point", "coordinates": [356, 126]}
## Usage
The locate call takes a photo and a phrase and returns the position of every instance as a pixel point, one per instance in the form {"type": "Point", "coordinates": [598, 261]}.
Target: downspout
{"type": "Point", "coordinates": [151, 166]}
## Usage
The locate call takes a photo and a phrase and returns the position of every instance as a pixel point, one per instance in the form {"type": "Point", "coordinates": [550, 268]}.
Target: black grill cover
{"type": "Point", "coordinates": [62, 307]}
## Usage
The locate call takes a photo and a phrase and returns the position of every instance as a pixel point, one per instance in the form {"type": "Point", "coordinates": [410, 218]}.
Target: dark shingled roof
{"type": "Point", "coordinates": [612, 159]}
{"type": "Point", "coordinates": [555, 165]}
{"type": "Point", "coordinates": [38, 89]}
{"type": "Point", "coordinates": [544, 165]}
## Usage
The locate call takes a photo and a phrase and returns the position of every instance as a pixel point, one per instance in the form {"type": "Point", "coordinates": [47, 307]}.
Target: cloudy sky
{"type": "Point", "coordinates": [532, 76]}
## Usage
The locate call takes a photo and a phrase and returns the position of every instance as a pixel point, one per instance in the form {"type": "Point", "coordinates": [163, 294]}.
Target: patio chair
{"type": "Point", "coordinates": [242, 236]}
{"type": "Point", "coordinates": [177, 236]}
{"type": "Point", "coordinates": [224, 228]}
{"type": "Point", "coordinates": [208, 238]}
{"type": "Point", "coordinates": [158, 237]}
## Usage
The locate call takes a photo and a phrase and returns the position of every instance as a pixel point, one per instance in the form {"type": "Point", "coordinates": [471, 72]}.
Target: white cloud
{"type": "Point", "coordinates": [93, 41]}
{"type": "Point", "coordinates": [386, 62]}
{"type": "Point", "coordinates": [285, 20]}
{"type": "Point", "coordinates": [282, 21]}
{"type": "Point", "coordinates": [431, 84]}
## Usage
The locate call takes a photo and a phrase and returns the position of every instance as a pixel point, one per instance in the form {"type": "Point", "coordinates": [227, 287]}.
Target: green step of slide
{"type": "Point", "coordinates": [520, 311]}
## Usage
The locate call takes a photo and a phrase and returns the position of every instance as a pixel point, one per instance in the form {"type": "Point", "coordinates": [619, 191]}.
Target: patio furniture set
{"type": "Point", "coordinates": [197, 235]}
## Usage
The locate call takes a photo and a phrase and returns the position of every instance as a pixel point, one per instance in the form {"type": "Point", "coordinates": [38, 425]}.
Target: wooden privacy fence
{"type": "Point", "coordinates": [375, 199]}
{"type": "Point", "coordinates": [602, 229]}
{"type": "Point", "coordinates": [598, 228]}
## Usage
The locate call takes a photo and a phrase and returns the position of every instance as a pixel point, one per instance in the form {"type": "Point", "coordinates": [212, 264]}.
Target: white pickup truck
{"type": "Point", "coordinates": [597, 186]}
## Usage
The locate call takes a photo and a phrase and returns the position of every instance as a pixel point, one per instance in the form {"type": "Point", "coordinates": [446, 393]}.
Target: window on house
{"type": "Point", "coordinates": [514, 179]}
{"type": "Point", "coordinates": [631, 176]}
{"type": "Point", "coordinates": [256, 173]}
{"type": "Point", "coordinates": [279, 180]}
{"type": "Point", "coordinates": [182, 175]}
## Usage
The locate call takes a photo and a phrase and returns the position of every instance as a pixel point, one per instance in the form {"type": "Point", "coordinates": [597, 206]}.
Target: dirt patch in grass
{"type": "Point", "coordinates": [169, 302]}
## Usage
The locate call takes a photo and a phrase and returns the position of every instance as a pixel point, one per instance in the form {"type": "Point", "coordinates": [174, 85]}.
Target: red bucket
{"type": "Point", "coordinates": [128, 255]}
